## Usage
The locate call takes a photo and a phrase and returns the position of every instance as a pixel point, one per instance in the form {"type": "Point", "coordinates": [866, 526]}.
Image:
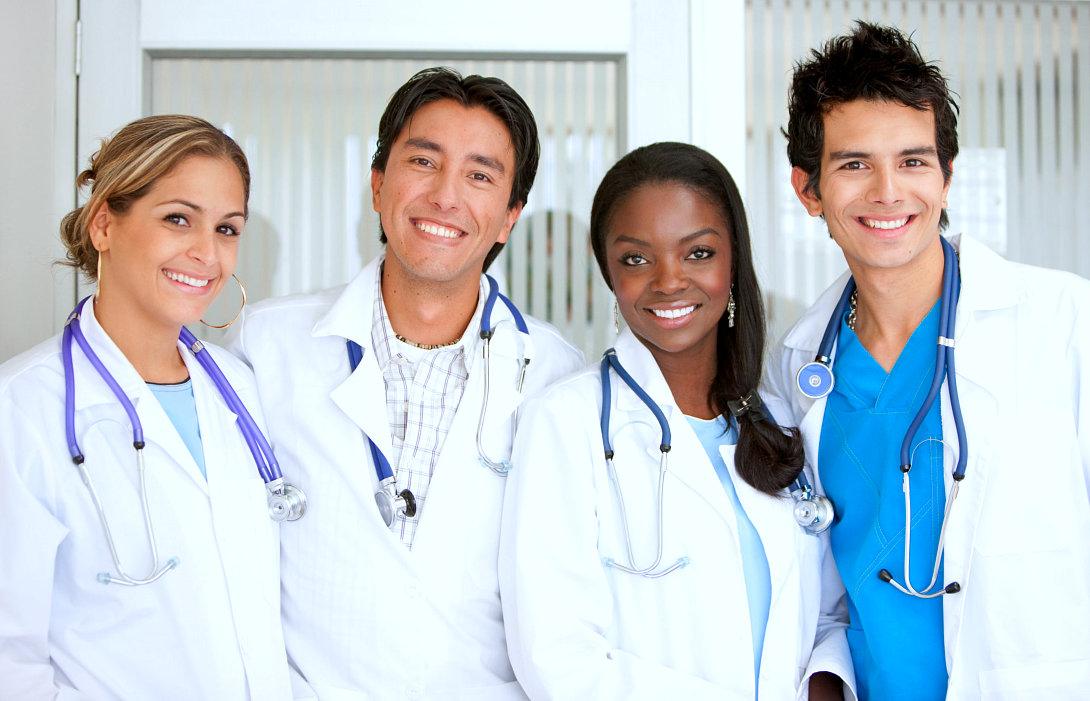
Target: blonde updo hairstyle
{"type": "Point", "coordinates": [129, 164]}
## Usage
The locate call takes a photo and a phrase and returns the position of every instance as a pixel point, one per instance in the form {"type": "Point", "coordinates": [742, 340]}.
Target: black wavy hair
{"type": "Point", "coordinates": [876, 63]}
{"type": "Point", "coordinates": [768, 457]}
{"type": "Point", "coordinates": [496, 96]}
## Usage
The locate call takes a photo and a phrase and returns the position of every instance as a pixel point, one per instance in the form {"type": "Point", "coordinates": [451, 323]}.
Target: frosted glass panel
{"type": "Point", "coordinates": [308, 126]}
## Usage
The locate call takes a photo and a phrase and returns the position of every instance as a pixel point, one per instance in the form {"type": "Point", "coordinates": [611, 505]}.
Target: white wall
{"type": "Point", "coordinates": [36, 136]}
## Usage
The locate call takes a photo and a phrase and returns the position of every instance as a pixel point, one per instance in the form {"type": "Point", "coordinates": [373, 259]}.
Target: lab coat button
{"type": "Point", "coordinates": [413, 591]}
{"type": "Point", "coordinates": [413, 692]}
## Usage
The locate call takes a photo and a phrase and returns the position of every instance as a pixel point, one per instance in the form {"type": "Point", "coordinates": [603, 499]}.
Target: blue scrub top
{"type": "Point", "coordinates": [181, 406]}
{"type": "Point", "coordinates": [896, 640]}
{"type": "Point", "coordinates": [713, 434]}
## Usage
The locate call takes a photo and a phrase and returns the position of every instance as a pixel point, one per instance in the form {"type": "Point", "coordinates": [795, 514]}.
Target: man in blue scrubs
{"type": "Point", "coordinates": [996, 604]}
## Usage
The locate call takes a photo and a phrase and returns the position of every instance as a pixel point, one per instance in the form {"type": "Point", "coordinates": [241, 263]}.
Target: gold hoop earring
{"type": "Point", "coordinates": [616, 317]}
{"type": "Point", "coordinates": [730, 309]}
{"type": "Point", "coordinates": [243, 289]}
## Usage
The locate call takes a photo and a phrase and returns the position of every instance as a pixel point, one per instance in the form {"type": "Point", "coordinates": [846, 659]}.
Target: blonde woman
{"type": "Point", "coordinates": [138, 559]}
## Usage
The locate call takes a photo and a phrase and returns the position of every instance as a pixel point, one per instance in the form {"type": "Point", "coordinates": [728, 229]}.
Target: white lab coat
{"type": "Point", "coordinates": [1018, 540]}
{"type": "Point", "coordinates": [208, 629]}
{"type": "Point", "coordinates": [365, 617]}
{"type": "Point", "coordinates": [578, 629]}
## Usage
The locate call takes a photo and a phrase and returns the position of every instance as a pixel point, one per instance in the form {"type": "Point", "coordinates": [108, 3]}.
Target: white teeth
{"type": "Point", "coordinates": [436, 230]}
{"type": "Point", "coordinates": [191, 281]}
{"type": "Point", "coordinates": [876, 224]}
{"type": "Point", "coordinates": [674, 313]}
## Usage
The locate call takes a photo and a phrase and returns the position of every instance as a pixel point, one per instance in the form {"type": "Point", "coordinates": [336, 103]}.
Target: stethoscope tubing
{"type": "Point", "coordinates": [944, 368]}
{"type": "Point", "coordinates": [267, 464]}
{"type": "Point", "coordinates": [383, 469]}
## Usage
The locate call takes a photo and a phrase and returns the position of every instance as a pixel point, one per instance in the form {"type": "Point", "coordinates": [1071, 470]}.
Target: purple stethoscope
{"type": "Point", "coordinates": [286, 502]}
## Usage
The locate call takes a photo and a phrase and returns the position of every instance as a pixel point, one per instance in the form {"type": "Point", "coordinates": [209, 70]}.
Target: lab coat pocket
{"type": "Point", "coordinates": [1057, 681]}
{"type": "Point", "coordinates": [1023, 512]}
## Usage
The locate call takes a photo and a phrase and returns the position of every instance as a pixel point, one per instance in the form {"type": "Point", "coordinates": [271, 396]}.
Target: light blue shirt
{"type": "Point", "coordinates": [179, 404]}
{"type": "Point", "coordinates": [896, 640]}
{"type": "Point", "coordinates": [713, 434]}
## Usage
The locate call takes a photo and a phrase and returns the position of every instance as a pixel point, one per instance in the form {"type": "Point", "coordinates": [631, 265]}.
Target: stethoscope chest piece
{"type": "Point", "coordinates": [815, 379]}
{"type": "Point", "coordinates": [286, 502]}
{"type": "Point", "coordinates": [814, 512]}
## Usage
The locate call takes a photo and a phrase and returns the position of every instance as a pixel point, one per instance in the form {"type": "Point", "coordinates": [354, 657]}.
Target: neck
{"type": "Point", "coordinates": [153, 352]}
{"type": "Point", "coordinates": [689, 381]}
{"type": "Point", "coordinates": [891, 303]}
{"type": "Point", "coordinates": [426, 313]}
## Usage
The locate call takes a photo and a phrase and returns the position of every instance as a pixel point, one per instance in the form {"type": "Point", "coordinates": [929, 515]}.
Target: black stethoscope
{"type": "Point", "coordinates": [813, 512]}
{"type": "Point", "coordinates": [392, 502]}
{"type": "Point", "coordinates": [815, 380]}
{"type": "Point", "coordinates": [286, 502]}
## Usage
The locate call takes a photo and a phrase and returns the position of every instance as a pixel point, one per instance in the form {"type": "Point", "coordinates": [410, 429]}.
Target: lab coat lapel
{"type": "Point", "coordinates": [91, 390]}
{"type": "Point", "coordinates": [688, 463]}
{"type": "Point", "coordinates": [983, 289]}
{"type": "Point", "coordinates": [362, 394]}
{"type": "Point", "coordinates": [219, 429]}
{"type": "Point", "coordinates": [773, 518]}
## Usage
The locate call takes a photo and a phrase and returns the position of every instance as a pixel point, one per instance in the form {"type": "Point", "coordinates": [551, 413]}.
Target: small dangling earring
{"type": "Point", "coordinates": [213, 326]}
{"type": "Point", "coordinates": [616, 317]}
{"type": "Point", "coordinates": [98, 273]}
{"type": "Point", "coordinates": [731, 306]}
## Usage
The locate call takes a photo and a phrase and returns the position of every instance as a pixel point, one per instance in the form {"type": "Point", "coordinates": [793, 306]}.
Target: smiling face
{"type": "Point", "coordinates": [669, 260]}
{"type": "Point", "coordinates": [442, 199]}
{"type": "Point", "coordinates": [882, 188]}
{"type": "Point", "coordinates": [167, 257]}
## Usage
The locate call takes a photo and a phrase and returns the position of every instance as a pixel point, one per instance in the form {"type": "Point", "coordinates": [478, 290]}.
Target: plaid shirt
{"type": "Point", "coordinates": [423, 390]}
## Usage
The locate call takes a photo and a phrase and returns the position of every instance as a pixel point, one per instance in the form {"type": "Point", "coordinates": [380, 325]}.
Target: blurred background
{"type": "Point", "coordinates": [301, 87]}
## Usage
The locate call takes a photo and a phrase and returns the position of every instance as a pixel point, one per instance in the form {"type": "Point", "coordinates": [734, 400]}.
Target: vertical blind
{"type": "Point", "coordinates": [309, 128]}
{"type": "Point", "coordinates": [1021, 72]}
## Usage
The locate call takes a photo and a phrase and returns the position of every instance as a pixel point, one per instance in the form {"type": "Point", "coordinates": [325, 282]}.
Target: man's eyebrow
{"type": "Point", "coordinates": [429, 145]}
{"type": "Point", "coordinates": [421, 142]}
{"type": "Point", "coordinates": [913, 151]}
{"type": "Point", "coordinates": [487, 162]}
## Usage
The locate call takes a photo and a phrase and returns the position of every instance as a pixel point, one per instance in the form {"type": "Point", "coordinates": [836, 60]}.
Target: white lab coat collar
{"type": "Point", "coordinates": [213, 415]}
{"type": "Point", "coordinates": [984, 287]}
{"type": "Point", "coordinates": [689, 463]}
{"type": "Point", "coordinates": [638, 361]}
{"type": "Point", "coordinates": [687, 459]}
{"type": "Point", "coordinates": [93, 390]}
{"type": "Point", "coordinates": [362, 395]}
{"type": "Point", "coordinates": [350, 315]}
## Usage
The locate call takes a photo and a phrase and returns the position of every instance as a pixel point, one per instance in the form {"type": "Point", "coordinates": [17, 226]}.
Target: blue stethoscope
{"type": "Point", "coordinates": [813, 512]}
{"type": "Point", "coordinates": [815, 380]}
{"type": "Point", "coordinates": [286, 502]}
{"type": "Point", "coordinates": [392, 502]}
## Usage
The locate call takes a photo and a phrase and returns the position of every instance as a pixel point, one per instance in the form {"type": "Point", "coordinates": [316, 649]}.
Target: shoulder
{"type": "Point", "coordinates": [547, 336]}
{"type": "Point", "coordinates": [1042, 297]}
{"type": "Point", "coordinates": [552, 349]}
{"type": "Point", "coordinates": [237, 372]}
{"type": "Point", "coordinates": [573, 394]}
{"type": "Point", "coordinates": [291, 310]}
{"type": "Point", "coordinates": [32, 371]}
